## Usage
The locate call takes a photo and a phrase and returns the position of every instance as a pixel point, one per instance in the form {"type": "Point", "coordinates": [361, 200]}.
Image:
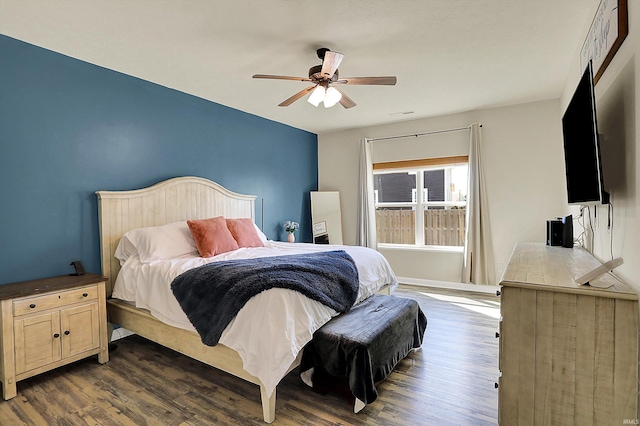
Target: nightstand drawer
{"type": "Point", "coordinates": [30, 305]}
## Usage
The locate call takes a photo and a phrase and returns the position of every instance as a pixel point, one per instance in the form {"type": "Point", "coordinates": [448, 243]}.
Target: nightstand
{"type": "Point", "coordinates": [50, 322]}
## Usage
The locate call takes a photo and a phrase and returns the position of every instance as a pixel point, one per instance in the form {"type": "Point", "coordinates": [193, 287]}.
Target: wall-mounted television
{"type": "Point", "coordinates": [585, 183]}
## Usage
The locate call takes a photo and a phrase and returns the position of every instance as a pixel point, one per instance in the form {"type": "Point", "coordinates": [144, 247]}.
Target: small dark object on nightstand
{"type": "Point", "coordinates": [77, 265]}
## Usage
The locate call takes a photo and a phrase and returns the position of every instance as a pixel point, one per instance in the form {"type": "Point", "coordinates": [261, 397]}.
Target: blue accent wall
{"type": "Point", "coordinates": [69, 128]}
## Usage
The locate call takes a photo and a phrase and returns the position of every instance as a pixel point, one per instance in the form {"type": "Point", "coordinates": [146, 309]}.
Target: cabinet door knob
{"type": "Point", "coordinates": [496, 385]}
{"type": "Point", "coordinates": [497, 334]}
{"type": "Point", "coordinates": [498, 293]}
{"type": "Point", "coordinates": [33, 305]}
{"type": "Point", "coordinates": [84, 294]}
{"type": "Point", "coordinates": [55, 336]}
{"type": "Point", "coordinates": [66, 333]}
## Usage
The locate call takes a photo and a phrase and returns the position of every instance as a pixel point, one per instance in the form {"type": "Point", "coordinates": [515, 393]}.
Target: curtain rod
{"type": "Point", "coordinates": [420, 134]}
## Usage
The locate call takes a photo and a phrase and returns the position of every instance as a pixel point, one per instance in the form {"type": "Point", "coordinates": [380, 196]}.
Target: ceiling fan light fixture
{"type": "Point", "coordinates": [321, 76]}
{"type": "Point", "coordinates": [317, 96]}
{"type": "Point", "coordinates": [331, 97]}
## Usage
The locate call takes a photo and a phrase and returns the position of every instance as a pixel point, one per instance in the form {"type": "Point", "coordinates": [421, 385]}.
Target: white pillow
{"type": "Point", "coordinates": [156, 242]}
{"type": "Point", "coordinates": [125, 250]}
{"type": "Point", "coordinates": [260, 234]}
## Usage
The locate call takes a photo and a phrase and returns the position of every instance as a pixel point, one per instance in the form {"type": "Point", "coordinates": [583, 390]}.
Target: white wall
{"type": "Point", "coordinates": [523, 159]}
{"type": "Point", "coordinates": [618, 107]}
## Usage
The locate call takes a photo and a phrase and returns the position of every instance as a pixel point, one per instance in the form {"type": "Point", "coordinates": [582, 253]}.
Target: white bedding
{"type": "Point", "coordinates": [273, 326]}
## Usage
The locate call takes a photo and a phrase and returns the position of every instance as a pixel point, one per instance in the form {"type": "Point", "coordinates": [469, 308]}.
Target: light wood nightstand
{"type": "Point", "coordinates": [50, 322]}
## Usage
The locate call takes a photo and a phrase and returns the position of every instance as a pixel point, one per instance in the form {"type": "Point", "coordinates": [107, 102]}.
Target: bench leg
{"type": "Point", "coordinates": [268, 405]}
{"type": "Point", "coordinates": [359, 405]}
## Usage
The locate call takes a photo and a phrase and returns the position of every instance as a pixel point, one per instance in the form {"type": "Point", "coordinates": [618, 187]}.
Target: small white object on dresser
{"type": "Point", "coordinates": [50, 322]}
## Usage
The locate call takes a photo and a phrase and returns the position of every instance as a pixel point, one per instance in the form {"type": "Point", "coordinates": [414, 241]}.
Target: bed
{"type": "Point", "coordinates": [193, 198]}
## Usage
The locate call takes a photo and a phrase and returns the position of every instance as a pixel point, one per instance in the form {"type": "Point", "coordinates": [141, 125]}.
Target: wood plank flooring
{"type": "Point", "coordinates": [449, 381]}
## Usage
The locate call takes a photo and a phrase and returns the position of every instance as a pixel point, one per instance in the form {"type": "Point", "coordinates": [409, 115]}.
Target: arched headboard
{"type": "Point", "coordinates": [173, 200]}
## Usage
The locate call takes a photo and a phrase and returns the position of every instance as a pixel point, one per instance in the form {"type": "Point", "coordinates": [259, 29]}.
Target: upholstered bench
{"type": "Point", "coordinates": [364, 344]}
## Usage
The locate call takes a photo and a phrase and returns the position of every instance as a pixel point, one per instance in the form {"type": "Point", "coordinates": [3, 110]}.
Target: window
{"type": "Point", "coordinates": [421, 203]}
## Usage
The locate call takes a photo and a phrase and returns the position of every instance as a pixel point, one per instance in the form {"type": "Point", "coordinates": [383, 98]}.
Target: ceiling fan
{"type": "Point", "coordinates": [323, 76]}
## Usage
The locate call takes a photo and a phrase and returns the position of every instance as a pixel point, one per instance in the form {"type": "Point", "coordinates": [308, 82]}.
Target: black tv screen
{"type": "Point", "coordinates": [581, 145]}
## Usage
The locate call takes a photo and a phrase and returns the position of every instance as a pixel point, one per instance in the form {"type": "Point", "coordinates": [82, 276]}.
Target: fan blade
{"type": "Point", "coordinates": [296, 96]}
{"type": "Point", "coordinates": [330, 64]}
{"type": "Point", "coordinates": [387, 81]}
{"type": "Point", "coordinates": [346, 101]}
{"type": "Point", "coordinates": [281, 77]}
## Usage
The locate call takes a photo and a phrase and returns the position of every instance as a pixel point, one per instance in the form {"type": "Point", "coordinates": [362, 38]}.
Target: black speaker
{"type": "Point", "coordinates": [554, 232]}
{"type": "Point", "coordinates": [567, 231]}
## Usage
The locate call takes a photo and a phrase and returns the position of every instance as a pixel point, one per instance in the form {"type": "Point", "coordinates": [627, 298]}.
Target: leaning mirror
{"type": "Point", "coordinates": [326, 217]}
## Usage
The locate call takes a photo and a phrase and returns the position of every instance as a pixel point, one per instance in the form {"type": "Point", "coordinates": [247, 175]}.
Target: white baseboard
{"type": "Point", "coordinates": [491, 289]}
{"type": "Point", "coordinates": [120, 333]}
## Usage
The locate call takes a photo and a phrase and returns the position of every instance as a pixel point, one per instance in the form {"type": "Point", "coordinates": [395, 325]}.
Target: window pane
{"type": "Point", "coordinates": [395, 187]}
{"type": "Point", "coordinates": [396, 225]}
{"type": "Point", "coordinates": [459, 176]}
{"type": "Point", "coordinates": [444, 226]}
{"type": "Point", "coordinates": [434, 184]}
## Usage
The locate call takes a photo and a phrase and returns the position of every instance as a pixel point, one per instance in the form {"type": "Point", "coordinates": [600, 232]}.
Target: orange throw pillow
{"type": "Point", "coordinates": [212, 236]}
{"type": "Point", "coordinates": [244, 232]}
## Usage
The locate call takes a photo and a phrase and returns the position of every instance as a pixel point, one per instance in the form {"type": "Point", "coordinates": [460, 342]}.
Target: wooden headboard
{"type": "Point", "coordinates": [173, 200]}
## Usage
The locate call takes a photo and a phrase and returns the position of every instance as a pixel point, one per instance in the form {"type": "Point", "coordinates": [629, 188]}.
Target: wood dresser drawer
{"type": "Point", "coordinates": [45, 302]}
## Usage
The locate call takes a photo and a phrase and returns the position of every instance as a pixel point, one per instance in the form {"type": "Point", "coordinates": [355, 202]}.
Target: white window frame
{"type": "Point", "coordinates": [420, 205]}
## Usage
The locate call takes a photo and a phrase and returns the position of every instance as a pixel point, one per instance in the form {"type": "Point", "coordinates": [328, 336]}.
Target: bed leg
{"type": "Point", "coordinates": [359, 405]}
{"type": "Point", "coordinates": [268, 405]}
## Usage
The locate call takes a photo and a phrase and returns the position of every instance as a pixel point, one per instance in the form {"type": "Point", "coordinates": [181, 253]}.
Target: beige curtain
{"type": "Point", "coordinates": [478, 265]}
{"type": "Point", "coordinates": [366, 230]}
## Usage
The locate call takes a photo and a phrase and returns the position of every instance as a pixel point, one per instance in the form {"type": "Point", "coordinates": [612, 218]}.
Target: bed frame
{"type": "Point", "coordinates": [173, 200]}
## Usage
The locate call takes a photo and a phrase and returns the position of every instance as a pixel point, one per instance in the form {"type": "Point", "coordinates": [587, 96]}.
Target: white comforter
{"type": "Point", "coordinates": [273, 326]}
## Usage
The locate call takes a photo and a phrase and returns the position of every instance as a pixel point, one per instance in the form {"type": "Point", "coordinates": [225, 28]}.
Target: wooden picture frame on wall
{"type": "Point", "coordinates": [611, 20]}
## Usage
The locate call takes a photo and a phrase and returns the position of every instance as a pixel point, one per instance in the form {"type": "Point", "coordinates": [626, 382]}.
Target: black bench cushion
{"type": "Point", "coordinates": [365, 343]}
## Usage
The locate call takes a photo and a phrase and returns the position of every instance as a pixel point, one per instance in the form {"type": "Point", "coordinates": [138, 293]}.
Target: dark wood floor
{"type": "Point", "coordinates": [450, 381]}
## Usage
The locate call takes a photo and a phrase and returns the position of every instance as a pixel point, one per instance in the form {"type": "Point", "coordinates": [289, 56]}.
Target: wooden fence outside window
{"type": "Point", "coordinates": [441, 227]}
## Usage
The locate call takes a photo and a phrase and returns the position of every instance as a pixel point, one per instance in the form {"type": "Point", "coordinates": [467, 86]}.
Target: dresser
{"type": "Point", "coordinates": [48, 323]}
{"type": "Point", "coordinates": [568, 353]}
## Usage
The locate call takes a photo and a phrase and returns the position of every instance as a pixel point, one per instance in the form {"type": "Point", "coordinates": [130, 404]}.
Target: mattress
{"type": "Point", "coordinates": [274, 326]}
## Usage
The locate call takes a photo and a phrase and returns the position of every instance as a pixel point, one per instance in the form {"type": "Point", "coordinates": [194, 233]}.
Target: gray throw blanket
{"type": "Point", "coordinates": [212, 295]}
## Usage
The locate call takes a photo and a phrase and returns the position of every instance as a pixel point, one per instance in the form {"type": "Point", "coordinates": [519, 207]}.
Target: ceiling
{"type": "Point", "coordinates": [448, 55]}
